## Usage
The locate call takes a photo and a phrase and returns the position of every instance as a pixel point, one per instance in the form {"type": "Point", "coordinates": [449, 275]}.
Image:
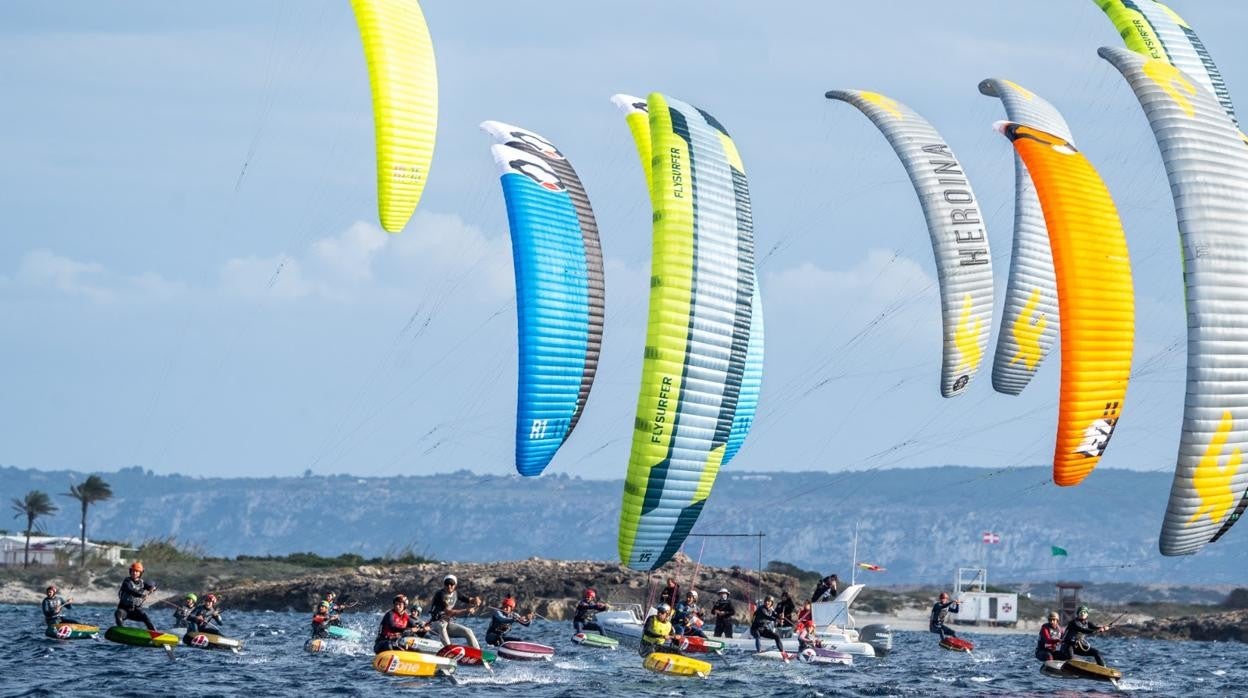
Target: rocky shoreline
{"type": "Point", "coordinates": [1231, 626]}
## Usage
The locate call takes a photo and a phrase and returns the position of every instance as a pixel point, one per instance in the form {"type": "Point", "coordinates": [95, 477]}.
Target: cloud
{"type": "Point", "coordinates": [349, 256]}
{"type": "Point", "coordinates": [42, 270]}
{"type": "Point", "coordinates": [278, 278]}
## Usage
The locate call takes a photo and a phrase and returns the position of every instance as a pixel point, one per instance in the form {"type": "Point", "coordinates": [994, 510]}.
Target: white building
{"type": "Point", "coordinates": [51, 550]}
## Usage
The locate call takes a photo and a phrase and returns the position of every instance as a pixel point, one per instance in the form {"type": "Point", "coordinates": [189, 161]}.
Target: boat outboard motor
{"type": "Point", "coordinates": [879, 636]}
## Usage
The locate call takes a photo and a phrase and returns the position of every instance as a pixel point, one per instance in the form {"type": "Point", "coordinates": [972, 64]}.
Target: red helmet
{"type": "Point", "coordinates": [51, 587]}
{"type": "Point", "coordinates": [210, 597]}
{"type": "Point", "coordinates": [590, 593]}
{"type": "Point", "coordinates": [509, 602]}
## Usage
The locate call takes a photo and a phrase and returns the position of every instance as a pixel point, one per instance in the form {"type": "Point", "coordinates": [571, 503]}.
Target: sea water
{"type": "Point", "coordinates": [274, 662]}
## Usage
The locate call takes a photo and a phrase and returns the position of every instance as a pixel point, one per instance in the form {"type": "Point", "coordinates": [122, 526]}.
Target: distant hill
{"type": "Point", "coordinates": [918, 523]}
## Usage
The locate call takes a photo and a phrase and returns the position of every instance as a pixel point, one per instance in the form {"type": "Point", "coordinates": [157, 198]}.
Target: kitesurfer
{"type": "Point", "coordinates": [786, 612]}
{"type": "Point", "coordinates": [826, 589]}
{"type": "Point", "coordinates": [1075, 641]}
{"type": "Point", "coordinates": [1049, 644]}
{"type": "Point", "coordinates": [396, 623]}
{"type": "Point", "coordinates": [688, 616]}
{"type": "Point", "coordinates": [806, 635]}
{"type": "Point", "coordinates": [183, 610]}
{"type": "Point", "coordinates": [443, 611]}
{"type": "Point", "coordinates": [53, 605]}
{"type": "Point", "coordinates": [501, 622]}
{"type": "Point", "coordinates": [723, 611]}
{"type": "Point", "coordinates": [671, 593]}
{"type": "Point", "coordinates": [583, 618]}
{"type": "Point", "coordinates": [130, 597]}
{"type": "Point", "coordinates": [764, 626]}
{"type": "Point", "coordinates": [940, 613]}
{"type": "Point", "coordinates": [336, 608]}
{"type": "Point", "coordinates": [657, 635]}
{"type": "Point", "coordinates": [205, 618]}
{"type": "Point", "coordinates": [322, 618]}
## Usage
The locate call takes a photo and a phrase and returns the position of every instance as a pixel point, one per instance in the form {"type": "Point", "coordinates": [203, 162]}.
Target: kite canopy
{"type": "Point", "coordinates": [559, 290]}
{"type": "Point", "coordinates": [1208, 170]}
{"type": "Point", "coordinates": [404, 82]}
{"type": "Point", "coordinates": [1095, 296]}
{"type": "Point", "coordinates": [955, 224]}
{"type": "Point", "coordinates": [1029, 318]}
{"type": "Point", "coordinates": [700, 328]}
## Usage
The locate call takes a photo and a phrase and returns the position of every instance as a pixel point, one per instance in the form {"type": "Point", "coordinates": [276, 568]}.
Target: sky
{"type": "Point", "coordinates": [193, 280]}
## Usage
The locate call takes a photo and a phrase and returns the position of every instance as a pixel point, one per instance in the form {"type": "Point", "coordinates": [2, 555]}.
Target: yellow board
{"type": "Point", "coordinates": [398, 663]}
{"type": "Point", "coordinates": [677, 665]}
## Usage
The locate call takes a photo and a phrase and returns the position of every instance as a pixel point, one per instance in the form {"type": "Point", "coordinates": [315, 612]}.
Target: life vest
{"type": "Point", "coordinates": [656, 631]}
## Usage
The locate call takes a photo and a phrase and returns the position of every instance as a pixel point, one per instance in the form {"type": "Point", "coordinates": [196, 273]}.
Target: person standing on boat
{"type": "Point", "coordinates": [130, 597]}
{"type": "Point", "coordinates": [657, 633]}
{"type": "Point", "coordinates": [53, 605]}
{"type": "Point", "coordinates": [583, 618]}
{"type": "Point", "coordinates": [723, 611]}
{"type": "Point", "coordinates": [1049, 644]}
{"type": "Point", "coordinates": [940, 613]}
{"type": "Point", "coordinates": [501, 622]}
{"type": "Point", "coordinates": [688, 617]}
{"type": "Point", "coordinates": [322, 618]}
{"type": "Point", "coordinates": [183, 610]}
{"type": "Point", "coordinates": [826, 589]}
{"type": "Point", "coordinates": [764, 626]}
{"type": "Point", "coordinates": [205, 618]}
{"type": "Point", "coordinates": [395, 624]}
{"type": "Point", "coordinates": [671, 593]}
{"type": "Point", "coordinates": [786, 613]}
{"type": "Point", "coordinates": [1075, 639]}
{"type": "Point", "coordinates": [443, 613]}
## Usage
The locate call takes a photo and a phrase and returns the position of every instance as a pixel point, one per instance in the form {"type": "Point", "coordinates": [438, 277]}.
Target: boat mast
{"type": "Point", "coordinates": [853, 566]}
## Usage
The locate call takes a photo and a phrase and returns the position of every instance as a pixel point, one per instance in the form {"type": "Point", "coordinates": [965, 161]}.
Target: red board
{"type": "Point", "coordinates": [468, 656]}
{"type": "Point", "coordinates": [956, 644]}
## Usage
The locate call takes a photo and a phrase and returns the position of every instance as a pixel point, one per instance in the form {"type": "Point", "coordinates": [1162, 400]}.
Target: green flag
{"type": "Point", "coordinates": [1057, 551]}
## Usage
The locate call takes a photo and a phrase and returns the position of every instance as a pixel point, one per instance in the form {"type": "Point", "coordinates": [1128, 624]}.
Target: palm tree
{"type": "Point", "coordinates": [34, 505]}
{"type": "Point", "coordinates": [88, 492]}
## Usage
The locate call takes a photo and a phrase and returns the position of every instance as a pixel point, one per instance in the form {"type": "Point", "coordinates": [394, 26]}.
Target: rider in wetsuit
{"type": "Point", "coordinates": [670, 594]}
{"type": "Point", "coordinates": [442, 613]}
{"type": "Point", "coordinates": [52, 606]}
{"type": "Point", "coordinates": [205, 618]}
{"type": "Point", "coordinates": [130, 597]}
{"type": "Point", "coordinates": [657, 635]}
{"type": "Point", "coordinates": [940, 613]}
{"type": "Point", "coordinates": [183, 610]}
{"type": "Point", "coordinates": [723, 611]}
{"type": "Point", "coordinates": [764, 625]}
{"type": "Point", "coordinates": [786, 611]}
{"type": "Point", "coordinates": [395, 624]}
{"type": "Point", "coordinates": [806, 637]}
{"type": "Point", "coordinates": [1074, 640]}
{"type": "Point", "coordinates": [501, 621]}
{"type": "Point", "coordinates": [687, 617]}
{"type": "Point", "coordinates": [322, 619]}
{"type": "Point", "coordinates": [1049, 644]}
{"type": "Point", "coordinates": [583, 617]}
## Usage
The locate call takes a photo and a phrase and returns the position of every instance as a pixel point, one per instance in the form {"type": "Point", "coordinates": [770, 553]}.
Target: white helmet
{"type": "Point", "coordinates": [722, 591]}
{"type": "Point", "coordinates": [450, 578]}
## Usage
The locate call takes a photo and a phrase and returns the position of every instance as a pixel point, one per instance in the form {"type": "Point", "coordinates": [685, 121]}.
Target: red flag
{"type": "Point", "coordinates": [991, 538]}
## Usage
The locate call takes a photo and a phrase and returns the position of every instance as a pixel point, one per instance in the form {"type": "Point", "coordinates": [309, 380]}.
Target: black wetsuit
{"type": "Point", "coordinates": [940, 612]}
{"type": "Point", "coordinates": [393, 627]}
{"type": "Point", "coordinates": [824, 591]}
{"type": "Point", "coordinates": [1049, 644]}
{"type": "Point", "coordinates": [52, 610]}
{"type": "Point", "coordinates": [180, 614]}
{"type": "Point", "coordinates": [202, 620]}
{"type": "Point", "coordinates": [670, 595]}
{"type": "Point", "coordinates": [583, 618]}
{"type": "Point", "coordinates": [786, 612]}
{"type": "Point", "coordinates": [723, 612]}
{"type": "Point", "coordinates": [500, 625]}
{"type": "Point", "coordinates": [130, 598]}
{"type": "Point", "coordinates": [683, 619]}
{"type": "Point", "coordinates": [764, 625]}
{"type": "Point", "coordinates": [1074, 636]}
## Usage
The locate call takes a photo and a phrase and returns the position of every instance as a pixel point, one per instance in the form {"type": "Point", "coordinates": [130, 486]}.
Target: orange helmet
{"type": "Point", "coordinates": [509, 602]}
{"type": "Point", "coordinates": [137, 566]}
